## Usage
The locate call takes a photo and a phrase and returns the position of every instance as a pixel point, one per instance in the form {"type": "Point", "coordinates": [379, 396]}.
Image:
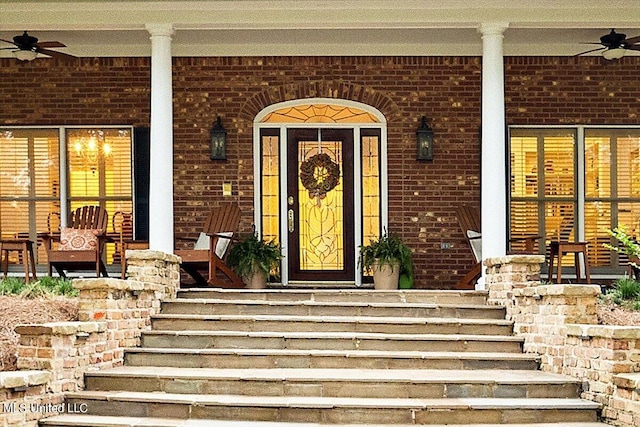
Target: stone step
{"type": "Point", "coordinates": [340, 295]}
{"type": "Point", "coordinates": [374, 324]}
{"type": "Point", "coordinates": [332, 410]}
{"type": "Point", "coordinates": [234, 358]}
{"type": "Point", "coordinates": [331, 341]}
{"type": "Point", "coordinates": [328, 308]}
{"type": "Point", "coordinates": [370, 383]}
{"type": "Point", "coordinates": [109, 421]}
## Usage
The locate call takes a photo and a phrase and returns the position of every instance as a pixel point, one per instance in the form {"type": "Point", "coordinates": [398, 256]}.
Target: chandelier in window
{"type": "Point", "coordinates": [91, 148]}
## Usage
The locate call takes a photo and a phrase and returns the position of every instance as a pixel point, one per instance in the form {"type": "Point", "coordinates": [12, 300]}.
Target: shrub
{"type": "Point", "coordinates": [45, 286]}
{"type": "Point", "coordinates": [627, 289]}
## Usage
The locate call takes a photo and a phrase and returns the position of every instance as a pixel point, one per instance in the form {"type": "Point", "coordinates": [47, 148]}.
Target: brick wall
{"type": "Point", "coordinates": [423, 196]}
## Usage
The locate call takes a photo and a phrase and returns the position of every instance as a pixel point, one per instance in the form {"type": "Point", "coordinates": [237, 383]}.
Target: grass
{"type": "Point", "coordinates": [625, 293]}
{"type": "Point", "coordinates": [45, 286]}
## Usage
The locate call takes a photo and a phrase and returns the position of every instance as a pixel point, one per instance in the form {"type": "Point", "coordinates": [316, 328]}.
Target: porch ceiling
{"type": "Point", "coordinates": [323, 27]}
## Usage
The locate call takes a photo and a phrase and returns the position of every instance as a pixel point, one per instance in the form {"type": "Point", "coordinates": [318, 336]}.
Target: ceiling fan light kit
{"type": "Point", "coordinates": [27, 48]}
{"type": "Point", "coordinates": [25, 55]}
{"type": "Point", "coordinates": [611, 54]}
{"type": "Point", "coordinates": [614, 45]}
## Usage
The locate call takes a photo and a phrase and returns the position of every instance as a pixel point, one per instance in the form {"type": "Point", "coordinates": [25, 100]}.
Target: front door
{"type": "Point", "coordinates": [320, 205]}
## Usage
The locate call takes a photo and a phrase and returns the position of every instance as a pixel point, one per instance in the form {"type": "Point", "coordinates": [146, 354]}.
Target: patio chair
{"type": "Point", "coordinates": [209, 251]}
{"type": "Point", "coordinates": [469, 221]}
{"type": "Point", "coordinates": [81, 244]}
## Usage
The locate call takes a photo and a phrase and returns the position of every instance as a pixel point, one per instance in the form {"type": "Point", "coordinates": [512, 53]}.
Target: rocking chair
{"type": "Point", "coordinates": [469, 220]}
{"type": "Point", "coordinates": [81, 245]}
{"type": "Point", "coordinates": [210, 249]}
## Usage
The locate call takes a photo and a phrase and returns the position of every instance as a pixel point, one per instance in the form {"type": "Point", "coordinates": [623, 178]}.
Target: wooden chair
{"type": "Point", "coordinates": [218, 230]}
{"type": "Point", "coordinates": [470, 225]}
{"type": "Point", "coordinates": [81, 245]}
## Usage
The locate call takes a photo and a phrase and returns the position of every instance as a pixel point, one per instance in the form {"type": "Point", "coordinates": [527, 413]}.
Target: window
{"type": "Point", "coordinates": [550, 196]}
{"type": "Point", "coordinates": [97, 171]}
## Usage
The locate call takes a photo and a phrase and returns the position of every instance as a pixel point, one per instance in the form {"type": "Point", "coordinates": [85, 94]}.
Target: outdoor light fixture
{"type": "Point", "coordinates": [25, 54]}
{"type": "Point", "coordinates": [613, 53]}
{"type": "Point", "coordinates": [218, 141]}
{"type": "Point", "coordinates": [424, 137]}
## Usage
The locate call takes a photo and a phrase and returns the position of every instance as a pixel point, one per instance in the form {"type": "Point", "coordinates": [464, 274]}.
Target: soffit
{"type": "Point", "coordinates": [324, 27]}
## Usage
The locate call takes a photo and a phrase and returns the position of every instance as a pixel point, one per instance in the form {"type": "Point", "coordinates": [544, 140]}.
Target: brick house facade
{"type": "Point", "coordinates": [422, 195]}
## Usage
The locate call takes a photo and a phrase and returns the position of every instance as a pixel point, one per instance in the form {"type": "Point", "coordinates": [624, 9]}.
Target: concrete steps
{"type": "Point", "coordinates": [372, 324]}
{"type": "Point", "coordinates": [331, 341]}
{"type": "Point", "coordinates": [108, 421]}
{"type": "Point", "coordinates": [330, 410]}
{"type": "Point", "coordinates": [322, 308]}
{"type": "Point", "coordinates": [340, 295]}
{"type": "Point", "coordinates": [233, 358]}
{"type": "Point", "coordinates": [307, 358]}
{"type": "Point", "coordinates": [369, 383]}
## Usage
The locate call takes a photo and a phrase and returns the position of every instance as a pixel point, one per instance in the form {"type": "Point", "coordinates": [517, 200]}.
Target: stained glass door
{"type": "Point", "coordinates": [320, 205]}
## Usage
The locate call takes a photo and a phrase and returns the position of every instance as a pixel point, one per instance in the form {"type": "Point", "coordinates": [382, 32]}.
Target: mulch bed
{"type": "Point", "coordinates": [15, 311]}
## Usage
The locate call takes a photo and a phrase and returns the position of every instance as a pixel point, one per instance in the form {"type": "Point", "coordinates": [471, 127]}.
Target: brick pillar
{"type": "Point", "coordinates": [67, 350]}
{"type": "Point", "coordinates": [504, 274]}
{"type": "Point", "coordinates": [155, 267]}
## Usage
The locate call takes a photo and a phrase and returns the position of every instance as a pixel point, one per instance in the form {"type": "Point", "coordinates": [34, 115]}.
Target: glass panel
{"type": "Point", "coordinates": [597, 221]}
{"type": "Point", "coordinates": [29, 182]}
{"type": "Point", "coordinates": [320, 113]}
{"type": "Point", "coordinates": [628, 161]}
{"type": "Point", "coordinates": [100, 174]}
{"type": "Point", "coordinates": [321, 216]}
{"type": "Point", "coordinates": [597, 166]}
{"type": "Point", "coordinates": [559, 175]}
{"type": "Point", "coordinates": [524, 166]}
{"type": "Point", "coordinates": [99, 162]}
{"type": "Point", "coordinates": [270, 187]}
{"type": "Point", "coordinates": [524, 222]}
{"type": "Point", "coordinates": [370, 188]}
{"type": "Point", "coordinates": [629, 217]}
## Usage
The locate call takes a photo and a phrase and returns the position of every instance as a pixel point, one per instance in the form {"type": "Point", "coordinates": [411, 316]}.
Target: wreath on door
{"type": "Point", "coordinates": [319, 175]}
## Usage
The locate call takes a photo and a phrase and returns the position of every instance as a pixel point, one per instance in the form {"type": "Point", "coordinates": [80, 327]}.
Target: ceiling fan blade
{"type": "Point", "coordinates": [54, 54]}
{"type": "Point", "coordinates": [7, 41]}
{"type": "Point", "coordinates": [634, 47]}
{"type": "Point", "coordinates": [49, 44]}
{"type": "Point", "coordinates": [633, 40]}
{"type": "Point", "coordinates": [589, 51]}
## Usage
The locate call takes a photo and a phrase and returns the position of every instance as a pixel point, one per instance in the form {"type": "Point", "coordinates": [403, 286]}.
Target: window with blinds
{"type": "Point", "coordinates": [543, 184]}
{"type": "Point", "coordinates": [98, 169]}
{"type": "Point", "coordinates": [612, 189]}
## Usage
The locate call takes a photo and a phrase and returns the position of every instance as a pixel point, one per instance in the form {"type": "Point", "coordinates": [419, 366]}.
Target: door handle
{"type": "Point", "coordinates": [290, 221]}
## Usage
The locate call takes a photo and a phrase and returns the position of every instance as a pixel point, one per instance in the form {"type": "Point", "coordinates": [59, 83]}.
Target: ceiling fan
{"type": "Point", "coordinates": [614, 45]}
{"type": "Point", "coordinates": [28, 48]}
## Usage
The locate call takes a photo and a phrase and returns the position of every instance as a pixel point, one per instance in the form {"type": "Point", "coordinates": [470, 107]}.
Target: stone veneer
{"type": "Point", "coordinates": [560, 323]}
{"type": "Point", "coordinates": [112, 315]}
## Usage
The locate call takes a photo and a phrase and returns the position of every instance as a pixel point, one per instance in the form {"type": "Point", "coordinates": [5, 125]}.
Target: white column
{"type": "Point", "coordinates": [161, 152]}
{"type": "Point", "coordinates": [493, 169]}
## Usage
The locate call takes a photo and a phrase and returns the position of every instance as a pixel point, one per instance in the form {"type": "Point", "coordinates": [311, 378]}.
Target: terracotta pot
{"type": "Point", "coordinates": [386, 277]}
{"type": "Point", "coordinates": [256, 281]}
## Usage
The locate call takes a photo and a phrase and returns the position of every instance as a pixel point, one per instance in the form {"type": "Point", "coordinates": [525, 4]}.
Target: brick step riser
{"type": "Point", "coordinates": [368, 296]}
{"type": "Point", "coordinates": [335, 415]}
{"type": "Point", "coordinates": [293, 326]}
{"type": "Point", "coordinates": [322, 310]}
{"type": "Point", "coordinates": [232, 361]}
{"type": "Point", "coordinates": [212, 341]}
{"type": "Point", "coordinates": [328, 388]}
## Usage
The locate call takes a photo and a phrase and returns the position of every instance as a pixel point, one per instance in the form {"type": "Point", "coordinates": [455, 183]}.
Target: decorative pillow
{"type": "Point", "coordinates": [221, 246]}
{"type": "Point", "coordinates": [74, 239]}
{"type": "Point", "coordinates": [476, 244]}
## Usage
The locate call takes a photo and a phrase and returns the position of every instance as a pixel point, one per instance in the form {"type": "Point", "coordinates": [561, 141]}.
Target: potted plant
{"type": "Point", "coordinates": [254, 260]}
{"type": "Point", "coordinates": [390, 261]}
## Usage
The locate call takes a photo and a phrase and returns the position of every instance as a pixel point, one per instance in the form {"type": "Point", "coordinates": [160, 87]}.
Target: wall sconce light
{"type": "Point", "coordinates": [218, 141]}
{"type": "Point", "coordinates": [424, 138]}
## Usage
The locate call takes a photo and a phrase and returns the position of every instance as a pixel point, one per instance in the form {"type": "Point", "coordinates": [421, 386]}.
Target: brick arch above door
{"type": "Point", "coordinates": [319, 89]}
